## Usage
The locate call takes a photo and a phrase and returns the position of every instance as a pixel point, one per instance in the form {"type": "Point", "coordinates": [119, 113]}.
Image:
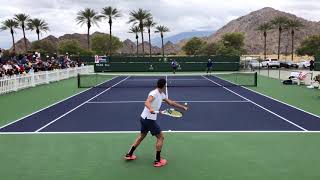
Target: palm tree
{"type": "Point", "coordinates": [149, 24]}
{"type": "Point", "coordinates": [161, 30]}
{"type": "Point", "coordinates": [10, 24]}
{"type": "Point", "coordinates": [110, 13]}
{"type": "Point", "coordinates": [136, 30]}
{"type": "Point", "coordinates": [139, 17]}
{"type": "Point", "coordinates": [279, 22]}
{"type": "Point", "coordinates": [38, 25]}
{"type": "Point", "coordinates": [89, 17]}
{"type": "Point", "coordinates": [294, 25]}
{"type": "Point", "coordinates": [264, 28]}
{"type": "Point", "coordinates": [22, 20]}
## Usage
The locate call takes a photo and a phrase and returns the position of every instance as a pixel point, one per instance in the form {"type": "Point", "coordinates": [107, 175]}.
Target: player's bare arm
{"type": "Point", "coordinates": [148, 103]}
{"type": "Point", "coordinates": [175, 104]}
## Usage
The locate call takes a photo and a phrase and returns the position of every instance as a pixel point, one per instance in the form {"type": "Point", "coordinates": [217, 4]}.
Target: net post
{"type": "Point", "coordinates": [78, 79]}
{"type": "Point", "coordinates": [255, 79]}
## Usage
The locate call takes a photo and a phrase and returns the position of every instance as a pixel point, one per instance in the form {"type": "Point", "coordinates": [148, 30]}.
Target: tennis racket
{"type": "Point", "coordinates": [170, 112]}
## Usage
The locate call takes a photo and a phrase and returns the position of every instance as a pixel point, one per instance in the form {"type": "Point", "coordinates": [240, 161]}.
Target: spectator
{"type": "Point", "coordinates": [315, 83]}
{"type": "Point", "coordinates": [311, 65]}
{"type": "Point", "coordinates": [1, 54]}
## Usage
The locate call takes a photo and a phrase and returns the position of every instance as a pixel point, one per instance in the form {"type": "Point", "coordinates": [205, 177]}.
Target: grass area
{"type": "Point", "coordinates": [21, 103]}
{"type": "Point", "coordinates": [198, 156]}
{"type": "Point", "coordinates": [298, 96]}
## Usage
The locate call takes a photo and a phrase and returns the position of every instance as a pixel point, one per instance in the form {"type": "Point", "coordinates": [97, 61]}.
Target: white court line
{"type": "Point", "coordinates": [52, 105]}
{"type": "Point", "coordinates": [135, 132]}
{"type": "Point", "coordinates": [152, 80]}
{"type": "Point", "coordinates": [124, 102]}
{"type": "Point", "coordinates": [167, 87]}
{"type": "Point", "coordinates": [257, 105]}
{"type": "Point", "coordinates": [282, 102]}
{"type": "Point", "coordinates": [273, 99]}
{"type": "Point", "coordinates": [80, 105]}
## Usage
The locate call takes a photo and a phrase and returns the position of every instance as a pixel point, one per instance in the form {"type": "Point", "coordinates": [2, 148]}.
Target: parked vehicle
{"type": "Point", "coordinates": [254, 64]}
{"type": "Point", "coordinates": [304, 64]}
{"type": "Point", "coordinates": [288, 64]}
{"type": "Point", "coordinates": [271, 63]}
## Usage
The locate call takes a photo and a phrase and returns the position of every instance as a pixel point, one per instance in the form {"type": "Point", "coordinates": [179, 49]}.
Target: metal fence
{"type": "Point", "coordinates": [22, 81]}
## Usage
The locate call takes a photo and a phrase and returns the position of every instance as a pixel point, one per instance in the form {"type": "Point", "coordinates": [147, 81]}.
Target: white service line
{"type": "Point", "coordinates": [53, 104]}
{"type": "Point", "coordinates": [80, 105]}
{"type": "Point", "coordinates": [134, 132]}
{"type": "Point", "coordinates": [124, 102]}
{"type": "Point", "coordinates": [257, 105]}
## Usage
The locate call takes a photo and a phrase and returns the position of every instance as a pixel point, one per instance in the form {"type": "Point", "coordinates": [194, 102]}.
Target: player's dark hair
{"type": "Point", "coordinates": [161, 83]}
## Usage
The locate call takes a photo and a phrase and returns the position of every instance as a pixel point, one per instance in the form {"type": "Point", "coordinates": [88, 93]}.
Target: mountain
{"type": "Point", "coordinates": [20, 46]}
{"type": "Point", "coordinates": [181, 36]}
{"type": "Point", "coordinates": [130, 47]}
{"type": "Point", "coordinates": [254, 40]}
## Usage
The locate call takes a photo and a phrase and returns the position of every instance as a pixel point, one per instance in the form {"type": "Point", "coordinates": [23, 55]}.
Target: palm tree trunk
{"type": "Point", "coordinates": [149, 40]}
{"type": "Point", "coordinates": [292, 45]}
{"type": "Point", "coordinates": [13, 44]}
{"type": "Point", "coordinates": [88, 37]}
{"type": "Point", "coordinates": [265, 45]}
{"type": "Point", "coordinates": [141, 28]}
{"type": "Point", "coordinates": [279, 43]}
{"type": "Point", "coordinates": [162, 45]}
{"type": "Point", "coordinates": [24, 37]}
{"type": "Point", "coordinates": [137, 38]}
{"type": "Point", "coordinates": [38, 33]}
{"type": "Point", "coordinates": [110, 37]}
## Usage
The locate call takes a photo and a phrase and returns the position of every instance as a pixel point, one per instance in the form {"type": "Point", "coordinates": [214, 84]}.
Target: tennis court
{"type": "Point", "coordinates": [217, 103]}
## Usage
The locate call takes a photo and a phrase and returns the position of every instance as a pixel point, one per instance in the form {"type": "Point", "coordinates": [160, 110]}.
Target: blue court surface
{"type": "Point", "coordinates": [115, 106]}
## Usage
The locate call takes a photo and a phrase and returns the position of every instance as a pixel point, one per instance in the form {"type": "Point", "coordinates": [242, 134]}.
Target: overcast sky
{"type": "Point", "coordinates": [178, 15]}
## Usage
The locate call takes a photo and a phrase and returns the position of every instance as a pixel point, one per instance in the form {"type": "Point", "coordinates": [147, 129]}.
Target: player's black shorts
{"type": "Point", "coordinates": [150, 125]}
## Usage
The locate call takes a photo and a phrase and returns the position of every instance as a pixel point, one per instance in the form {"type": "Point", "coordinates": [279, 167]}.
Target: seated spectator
{"type": "Point", "coordinates": [315, 83]}
{"type": "Point", "coordinates": [1, 54]}
{"type": "Point", "coordinates": [295, 78]}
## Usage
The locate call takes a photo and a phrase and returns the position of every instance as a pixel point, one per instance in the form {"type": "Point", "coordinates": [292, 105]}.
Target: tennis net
{"type": "Point", "coordinates": [107, 80]}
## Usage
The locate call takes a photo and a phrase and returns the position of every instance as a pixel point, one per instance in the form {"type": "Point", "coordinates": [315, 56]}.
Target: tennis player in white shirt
{"type": "Point", "coordinates": [149, 123]}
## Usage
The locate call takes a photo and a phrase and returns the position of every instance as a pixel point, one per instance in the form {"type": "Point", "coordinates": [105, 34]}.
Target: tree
{"type": "Point", "coordinates": [149, 24]}
{"type": "Point", "coordinates": [310, 46]}
{"type": "Point", "coordinates": [193, 46]}
{"type": "Point", "coordinates": [235, 40]}
{"type": "Point", "coordinates": [139, 17]}
{"type": "Point", "coordinates": [100, 46]}
{"type": "Point", "coordinates": [279, 22]}
{"type": "Point", "coordinates": [293, 25]}
{"type": "Point", "coordinates": [38, 25]}
{"type": "Point", "coordinates": [209, 49]}
{"type": "Point", "coordinates": [44, 46]}
{"type": "Point", "coordinates": [110, 14]}
{"type": "Point", "coordinates": [89, 17]}
{"type": "Point", "coordinates": [135, 30]}
{"type": "Point", "coordinates": [264, 28]}
{"type": "Point", "coordinates": [70, 46]}
{"type": "Point", "coordinates": [161, 30]}
{"type": "Point", "coordinates": [22, 19]}
{"type": "Point", "coordinates": [10, 24]}
{"type": "Point", "coordinates": [227, 50]}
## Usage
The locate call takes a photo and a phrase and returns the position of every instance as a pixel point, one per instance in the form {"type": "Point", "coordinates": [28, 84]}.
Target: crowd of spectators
{"type": "Point", "coordinates": [34, 62]}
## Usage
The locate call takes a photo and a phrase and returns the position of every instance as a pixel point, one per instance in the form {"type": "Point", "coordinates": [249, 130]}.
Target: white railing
{"type": "Point", "coordinates": [17, 82]}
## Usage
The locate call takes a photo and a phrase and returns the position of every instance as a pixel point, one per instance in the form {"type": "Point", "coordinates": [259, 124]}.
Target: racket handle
{"type": "Point", "coordinates": [156, 112]}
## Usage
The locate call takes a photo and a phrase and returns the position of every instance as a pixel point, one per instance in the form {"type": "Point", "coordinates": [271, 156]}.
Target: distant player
{"type": "Point", "coordinates": [209, 66]}
{"type": "Point", "coordinates": [174, 66]}
{"type": "Point", "coordinates": [149, 123]}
